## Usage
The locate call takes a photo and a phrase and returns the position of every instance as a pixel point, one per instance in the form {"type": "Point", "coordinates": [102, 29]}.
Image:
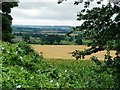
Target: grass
{"type": "Point", "coordinates": [80, 74]}
{"type": "Point", "coordinates": [64, 62]}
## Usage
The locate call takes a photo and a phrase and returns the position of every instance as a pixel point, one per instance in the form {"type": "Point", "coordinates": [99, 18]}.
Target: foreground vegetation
{"type": "Point", "coordinates": [22, 67]}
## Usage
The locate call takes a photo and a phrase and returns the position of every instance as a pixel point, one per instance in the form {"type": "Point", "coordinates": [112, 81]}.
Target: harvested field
{"type": "Point", "coordinates": [62, 51]}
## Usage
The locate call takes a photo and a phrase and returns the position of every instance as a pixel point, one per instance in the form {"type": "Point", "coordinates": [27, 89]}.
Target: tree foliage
{"type": "Point", "coordinates": [79, 40]}
{"type": "Point", "coordinates": [26, 38]}
{"type": "Point", "coordinates": [7, 6]}
{"type": "Point", "coordinates": [7, 20]}
{"type": "Point", "coordinates": [102, 26]}
{"type": "Point", "coordinates": [116, 2]}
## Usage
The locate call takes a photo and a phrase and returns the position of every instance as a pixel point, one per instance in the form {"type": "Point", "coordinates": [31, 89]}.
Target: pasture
{"type": "Point", "coordinates": [63, 51]}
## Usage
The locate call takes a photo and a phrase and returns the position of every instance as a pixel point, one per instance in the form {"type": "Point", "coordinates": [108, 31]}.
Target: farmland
{"type": "Point", "coordinates": [63, 51]}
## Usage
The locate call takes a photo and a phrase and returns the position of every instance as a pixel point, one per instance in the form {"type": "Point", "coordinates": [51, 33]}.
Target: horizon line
{"type": "Point", "coordinates": [41, 25]}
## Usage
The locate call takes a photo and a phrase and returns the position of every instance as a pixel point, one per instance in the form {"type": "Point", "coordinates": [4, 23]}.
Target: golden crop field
{"type": "Point", "coordinates": [62, 51]}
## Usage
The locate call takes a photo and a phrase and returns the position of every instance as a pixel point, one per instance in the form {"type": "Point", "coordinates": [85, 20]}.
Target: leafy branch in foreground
{"type": "Point", "coordinates": [102, 26]}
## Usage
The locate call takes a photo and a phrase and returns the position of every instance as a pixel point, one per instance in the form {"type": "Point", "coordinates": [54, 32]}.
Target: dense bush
{"type": "Point", "coordinates": [22, 67]}
{"type": "Point", "coordinates": [111, 66]}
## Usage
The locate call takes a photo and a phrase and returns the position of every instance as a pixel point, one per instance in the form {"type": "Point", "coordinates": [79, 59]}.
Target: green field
{"type": "Point", "coordinates": [22, 67]}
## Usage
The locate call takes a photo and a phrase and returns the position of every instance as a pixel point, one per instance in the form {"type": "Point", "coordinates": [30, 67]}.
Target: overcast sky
{"type": "Point", "coordinates": [46, 12]}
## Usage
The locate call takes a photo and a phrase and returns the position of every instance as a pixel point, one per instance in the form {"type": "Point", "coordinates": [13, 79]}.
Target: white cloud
{"type": "Point", "coordinates": [46, 12]}
{"type": "Point", "coordinates": [22, 21]}
{"type": "Point", "coordinates": [38, 0]}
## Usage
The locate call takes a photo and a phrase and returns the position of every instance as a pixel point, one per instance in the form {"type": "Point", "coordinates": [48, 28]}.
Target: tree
{"type": "Point", "coordinates": [71, 38]}
{"type": "Point", "coordinates": [58, 38]}
{"type": "Point", "coordinates": [100, 28]}
{"type": "Point", "coordinates": [79, 40]}
{"type": "Point", "coordinates": [101, 25]}
{"type": "Point", "coordinates": [26, 38]}
{"type": "Point", "coordinates": [7, 20]}
{"type": "Point", "coordinates": [50, 39]}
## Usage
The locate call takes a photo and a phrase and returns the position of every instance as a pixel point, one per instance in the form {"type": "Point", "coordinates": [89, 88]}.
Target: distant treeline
{"type": "Point", "coordinates": [46, 35]}
{"type": "Point", "coordinates": [48, 39]}
{"type": "Point", "coordinates": [41, 29]}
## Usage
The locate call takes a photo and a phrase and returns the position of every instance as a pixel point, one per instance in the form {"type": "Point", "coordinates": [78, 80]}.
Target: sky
{"type": "Point", "coordinates": [46, 12]}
